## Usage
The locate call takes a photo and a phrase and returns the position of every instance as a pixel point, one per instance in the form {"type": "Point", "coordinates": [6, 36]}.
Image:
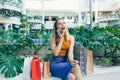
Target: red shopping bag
{"type": "Point", "coordinates": [35, 68]}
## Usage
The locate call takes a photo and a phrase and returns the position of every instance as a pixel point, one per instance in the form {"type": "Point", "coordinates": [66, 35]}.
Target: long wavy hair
{"type": "Point", "coordinates": [55, 35]}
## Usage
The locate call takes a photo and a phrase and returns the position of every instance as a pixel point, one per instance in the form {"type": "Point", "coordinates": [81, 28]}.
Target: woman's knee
{"type": "Point", "coordinates": [71, 76]}
{"type": "Point", "coordinates": [77, 67]}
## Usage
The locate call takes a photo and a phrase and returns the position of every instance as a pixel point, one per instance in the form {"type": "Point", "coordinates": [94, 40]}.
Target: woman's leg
{"type": "Point", "coordinates": [77, 72]}
{"type": "Point", "coordinates": [71, 76]}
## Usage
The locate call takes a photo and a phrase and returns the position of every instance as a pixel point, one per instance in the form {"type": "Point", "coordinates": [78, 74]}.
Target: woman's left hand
{"type": "Point", "coordinates": [74, 62]}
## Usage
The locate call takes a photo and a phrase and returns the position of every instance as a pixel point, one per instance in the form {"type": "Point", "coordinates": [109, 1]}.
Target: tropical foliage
{"type": "Point", "coordinates": [10, 65]}
{"type": "Point", "coordinates": [13, 45]}
{"type": "Point", "coordinates": [86, 37]}
{"type": "Point", "coordinates": [106, 39]}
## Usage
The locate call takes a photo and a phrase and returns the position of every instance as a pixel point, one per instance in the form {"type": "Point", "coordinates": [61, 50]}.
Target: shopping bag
{"type": "Point", "coordinates": [27, 68]}
{"type": "Point", "coordinates": [90, 64]}
{"type": "Point", "coordinates": [46, 69]}
{"type": "Point", "coordinates": [35, 69]}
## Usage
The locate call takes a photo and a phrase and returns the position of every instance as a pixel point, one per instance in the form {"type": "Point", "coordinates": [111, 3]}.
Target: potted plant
{"type": "Point", "coordinates": [109, 38]}
{"type": "Point", "coordinates": [85, 37]}
{"type": "Point", "coordinates": [111, 42]}
{"type": "Point", "coordinates": [10, 64]}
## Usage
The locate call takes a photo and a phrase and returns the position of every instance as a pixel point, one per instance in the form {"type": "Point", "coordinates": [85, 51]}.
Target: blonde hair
{"type": "Point", "coordinates": [54, 34]}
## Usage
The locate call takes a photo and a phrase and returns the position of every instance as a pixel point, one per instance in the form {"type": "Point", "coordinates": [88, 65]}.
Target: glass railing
{"type": "Point", "coordinates": [15, 3]}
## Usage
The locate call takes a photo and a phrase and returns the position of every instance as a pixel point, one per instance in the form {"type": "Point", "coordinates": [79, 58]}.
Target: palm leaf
{"type": "Point", "coordinates": [10, 65]}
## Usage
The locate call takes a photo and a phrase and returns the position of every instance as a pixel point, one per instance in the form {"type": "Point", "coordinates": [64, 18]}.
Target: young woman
{"type": "Point", "coordinates": [62, 64]}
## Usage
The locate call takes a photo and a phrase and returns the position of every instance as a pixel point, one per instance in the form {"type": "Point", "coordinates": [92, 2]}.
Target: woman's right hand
{"type": "Point", "coordinates": [59, 32]}
{"type": "Point", "coordinates": [74, 62]}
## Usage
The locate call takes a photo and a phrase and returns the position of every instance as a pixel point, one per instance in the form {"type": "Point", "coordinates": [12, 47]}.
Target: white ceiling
{"type": "Point", "coordinates": [69, 6]}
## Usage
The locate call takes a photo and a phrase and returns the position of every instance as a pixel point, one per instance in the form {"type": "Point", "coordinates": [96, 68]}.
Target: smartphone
{"type": "Point", "coordinates": [60, 31]}
{"type": "Point", "coordinates": [56, 32]}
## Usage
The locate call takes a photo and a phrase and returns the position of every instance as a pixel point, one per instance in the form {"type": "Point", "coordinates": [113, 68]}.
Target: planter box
{"type": "Point", "coordinates": [80, 55]}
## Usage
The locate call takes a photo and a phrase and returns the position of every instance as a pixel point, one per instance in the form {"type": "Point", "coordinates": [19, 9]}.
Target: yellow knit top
{"type": "Point", "coordinates": [64, 48]}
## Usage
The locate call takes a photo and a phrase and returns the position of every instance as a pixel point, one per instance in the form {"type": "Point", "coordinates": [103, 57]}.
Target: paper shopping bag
{"type": "Point", "coordinates": [27, 68]}
{"type": "Point", "coordinates": [35, 69]}
{"type": "Point", "coordinates": [46, 69]}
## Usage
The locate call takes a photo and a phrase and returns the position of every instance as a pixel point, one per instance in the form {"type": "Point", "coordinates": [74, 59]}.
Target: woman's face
{"type": "Point", "coordinates": [61, 25]}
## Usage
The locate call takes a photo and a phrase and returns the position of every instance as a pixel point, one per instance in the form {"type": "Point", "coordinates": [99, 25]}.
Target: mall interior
{"type": "Point", "coordinates": [94, 23]}
{"type": "Point", "coordinates": [76, 13]}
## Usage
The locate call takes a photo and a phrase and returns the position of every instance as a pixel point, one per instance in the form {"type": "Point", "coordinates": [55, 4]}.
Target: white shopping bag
{"type": "Point", "coordinates": [27, 68]}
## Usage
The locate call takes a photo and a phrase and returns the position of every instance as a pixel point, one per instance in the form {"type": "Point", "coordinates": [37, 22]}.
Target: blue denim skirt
{"type": "Point", "coordinates": [60, 67]}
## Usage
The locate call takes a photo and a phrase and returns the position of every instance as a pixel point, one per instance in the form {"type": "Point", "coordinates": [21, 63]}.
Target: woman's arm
{"type": "Point", "coordinates": [70, 52]}
{"type": "Point", "coordinates": [55, 48]}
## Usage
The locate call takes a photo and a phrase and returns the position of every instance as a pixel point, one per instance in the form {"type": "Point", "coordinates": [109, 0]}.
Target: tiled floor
{"type": "Point", "coordinates": [102, 70]}
{"type": "Point", "coordinates": [51, 78]}
{"type": "Point", "coordinates": [106, 76]}
{"type": "Point", "coordinates": [100, 73]}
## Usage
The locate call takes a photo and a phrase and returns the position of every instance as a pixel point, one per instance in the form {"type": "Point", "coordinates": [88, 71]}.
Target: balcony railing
{"type": "Point", "coordinates": [15, 3]}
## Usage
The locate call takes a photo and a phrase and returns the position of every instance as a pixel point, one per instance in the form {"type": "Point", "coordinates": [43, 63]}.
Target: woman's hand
{"type": "Point", "coordinates": [59, 32]}
{"type": "Point", "coordinates": [74, 62]}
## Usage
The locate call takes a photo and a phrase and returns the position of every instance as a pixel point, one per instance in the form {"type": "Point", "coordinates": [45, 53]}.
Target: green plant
{"type": "Point", "coordinates": [11, 43]}
{"type": "Point", "coordinates": [112, 42]}
{"type": "Point", "coordinates": [46, 57]}
{"type": "Point", "coordinates": [24, 24]}
{"type": "Point", "coordinates": [110, 38]}
{"type": "Point", "coordinates": [41, 39]}
{"type": "Point", "coordinates": [45, 42]}
{"type": "Point", "coordinates": [106, 39]}
{"type": "Point", "coordinates": [86, 37]}
{"type": "Point", "coordinates": [107, 61]}
{"type": "Point", "coordinates": [10, 65]}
